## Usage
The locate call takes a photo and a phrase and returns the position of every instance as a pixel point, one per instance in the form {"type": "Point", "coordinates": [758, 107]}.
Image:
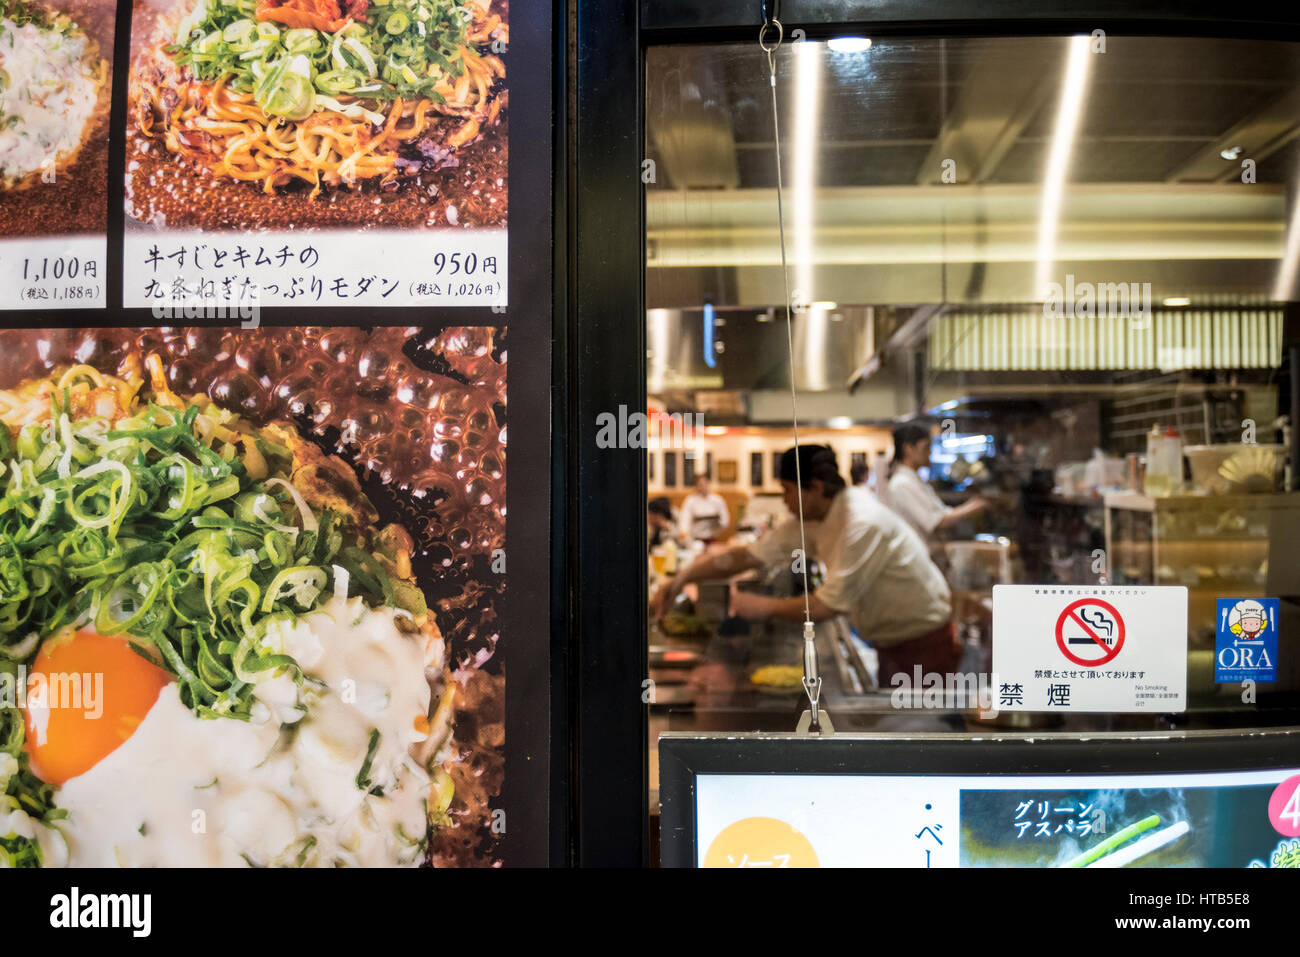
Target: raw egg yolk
{"type": "Point", "coordinates": [91, 694]}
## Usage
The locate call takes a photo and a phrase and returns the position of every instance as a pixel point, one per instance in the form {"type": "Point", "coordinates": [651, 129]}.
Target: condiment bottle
{"type": "Point", "coordinates": [1164, 463]}
{"type": "Point", "coordinates": [1174, 460]}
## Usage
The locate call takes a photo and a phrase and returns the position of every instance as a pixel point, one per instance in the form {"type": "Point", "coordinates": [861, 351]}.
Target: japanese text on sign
{"type": "Point", "coordinates": [446, 268]}
{"type": "Point", "coordinates": [1090, 649]}
{"type": "Point", "coordinates": [66, 272]}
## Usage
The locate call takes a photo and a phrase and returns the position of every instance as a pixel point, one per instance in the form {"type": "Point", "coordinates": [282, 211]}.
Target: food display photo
{"type": "Point", "coordinates": [247, 610]}
{"type": "Point", "coordinates": [264, 120]}
{"type": "Point", "coordinates": [248, 113]}
{"type": "Point", "coordinates": [55, 91]}
{"type": "Point", "coordinates": [1121, 827]}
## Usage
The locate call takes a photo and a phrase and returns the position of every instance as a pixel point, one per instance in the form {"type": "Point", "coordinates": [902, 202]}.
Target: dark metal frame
{"type": "Point", "coordinates": [561, 781]}
{"type": "Point", "coordinates": [599, 625]}
{"type": "Point", "coordinates": [683, 757]}
{"type": "Point", "coordinates": [688, 21]}
{"type": "Point", "coordinates": [601, 365]}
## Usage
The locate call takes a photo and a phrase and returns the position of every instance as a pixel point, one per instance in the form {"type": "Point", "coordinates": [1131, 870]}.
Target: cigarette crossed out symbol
{"type": "Point", "coordinates": [1097, 618]}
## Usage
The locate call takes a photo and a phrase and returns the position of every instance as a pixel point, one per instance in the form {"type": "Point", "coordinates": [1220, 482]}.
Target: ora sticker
{"type": "Point", "coordinates": [1245, 646]}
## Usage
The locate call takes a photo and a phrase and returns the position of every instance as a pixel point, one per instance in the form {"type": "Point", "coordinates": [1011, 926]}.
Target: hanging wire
{"type": "Point", "coordinates": [812, 682]}
{"type": "Point", "coordinates": [785, 276]}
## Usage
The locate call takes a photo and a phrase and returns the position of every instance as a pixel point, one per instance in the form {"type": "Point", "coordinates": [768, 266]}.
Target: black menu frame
{"type": "Point", "coordinates": [605, 329]}
{"type": "Point", "coordinates": [535, 797]}
{"type": "Point", "coordinates": [684, 757]}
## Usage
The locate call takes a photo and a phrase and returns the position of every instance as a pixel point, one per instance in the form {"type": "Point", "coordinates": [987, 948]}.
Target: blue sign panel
{"type": "Point", "coordinates": [1245, 645]}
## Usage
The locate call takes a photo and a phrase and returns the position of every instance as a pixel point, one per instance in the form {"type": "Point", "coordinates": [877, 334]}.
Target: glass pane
{"type": "Point", "coordinates": [1070, 262]}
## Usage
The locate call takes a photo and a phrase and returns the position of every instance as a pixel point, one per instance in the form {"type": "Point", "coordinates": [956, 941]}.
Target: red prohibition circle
{"type": "Point", "coordinates": [1069, 613]}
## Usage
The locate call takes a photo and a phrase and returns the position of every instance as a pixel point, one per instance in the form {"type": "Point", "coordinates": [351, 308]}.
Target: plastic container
{"type": "Point", "coordinates": [1164, 463]}
{"type": "Point", "coordinates": [1102, 472]}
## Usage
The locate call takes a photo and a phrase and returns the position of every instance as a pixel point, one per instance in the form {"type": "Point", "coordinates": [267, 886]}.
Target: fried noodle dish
{"type": "Point", "coordinates": [323, 92]}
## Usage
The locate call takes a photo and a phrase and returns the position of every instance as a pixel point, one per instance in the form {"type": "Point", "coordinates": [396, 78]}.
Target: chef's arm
{"type": "Point", "coordinates": [962, 512]}
{"type": "Point", "coordinates": [722, 565]}
{"type": "Point", "coordinates": [749, 605]}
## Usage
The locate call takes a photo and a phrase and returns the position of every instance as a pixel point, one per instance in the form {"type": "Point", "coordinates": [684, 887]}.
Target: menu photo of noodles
{"type": "Point", "coordinates": [55, 91]}
{"type": "Point", "coordinates": [248, 609]}
{"type": "Point", "coordinates": [317, 152]}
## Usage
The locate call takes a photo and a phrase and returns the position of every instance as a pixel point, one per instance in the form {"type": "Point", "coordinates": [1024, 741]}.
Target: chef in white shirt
{"type": "Point", "coordinates": [704, 512]}
{"type": "Point", "coordinates": [878, 571]}
{"type": "Point", "coordinates": [914, 498]}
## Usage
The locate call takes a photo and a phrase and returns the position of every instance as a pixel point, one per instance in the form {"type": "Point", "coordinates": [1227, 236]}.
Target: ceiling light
{"type": "Point", "coordinates": [1286, 269]}
{"type": "Point", "coordinates": [839, 422]}
{"type": "Point", "coordinates": [1069, 112]}
{"type": "Point", "coordinates": [849, 44]}
{"type": "Point", "coordinates": [1176, 301]}
{"type": "Point", "coordinates": [803, 174]}
{"type": "Point", "coordinates": [823, 304]}
{"type": "Point", "coordinates": [1231, 153]}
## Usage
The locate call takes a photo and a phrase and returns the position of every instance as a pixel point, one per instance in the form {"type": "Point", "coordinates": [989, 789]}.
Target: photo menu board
{"type": "Point", "coordinates": [54, 123]}
{"type": "Point", "coordinates": [257, 299]}
{"type": "Point", "coordinates": [1229, 820]}
{"type": "Point", "coordinates": [958, 800]}
{"type": "Point", "coordinates": [259, 147]}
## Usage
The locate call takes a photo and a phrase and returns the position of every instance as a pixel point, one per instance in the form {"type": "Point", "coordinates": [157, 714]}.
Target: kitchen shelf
{"type": "Point", "coordinates": [1172, 540]}
{"type": "Point", "coordinates": [1133, 501]}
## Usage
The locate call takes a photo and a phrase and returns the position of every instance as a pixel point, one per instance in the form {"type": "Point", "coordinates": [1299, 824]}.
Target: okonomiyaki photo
{"type": "Point", "coordinates": [54, 100]}
{"type": "Point", "coordinates": [216, 648]}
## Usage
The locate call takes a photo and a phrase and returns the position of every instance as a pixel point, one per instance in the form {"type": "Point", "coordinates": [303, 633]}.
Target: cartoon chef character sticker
{"type": "Point", "coordinates": [1248, 620]}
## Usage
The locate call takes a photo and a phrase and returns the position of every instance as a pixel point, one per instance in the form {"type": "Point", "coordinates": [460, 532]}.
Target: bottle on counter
{"type": "Point", "coordinates": [1174, 451]}
{"type": "Point", "coordinates": [670, 558]}
{"type": "Point", "coordinates": [1164, 475]}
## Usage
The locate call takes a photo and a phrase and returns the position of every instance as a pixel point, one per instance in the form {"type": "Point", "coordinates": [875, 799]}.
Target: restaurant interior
{"type": "Point", "coordinates": [1062, 257]}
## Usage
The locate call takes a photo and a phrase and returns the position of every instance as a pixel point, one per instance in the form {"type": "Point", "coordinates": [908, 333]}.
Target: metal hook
{"type": "Point", "coordinates": [762, 35]}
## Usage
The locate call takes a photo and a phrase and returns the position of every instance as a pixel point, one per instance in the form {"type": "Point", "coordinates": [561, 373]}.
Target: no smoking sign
{"type": "Point", "coordinates": [1090, 632]}
{"type": "Point", "coordinates": [1090, 649]}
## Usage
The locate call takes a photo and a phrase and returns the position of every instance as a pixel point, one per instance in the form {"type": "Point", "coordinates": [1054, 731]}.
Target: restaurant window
{"type": "Point", "coordinates": [1071, 262]}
